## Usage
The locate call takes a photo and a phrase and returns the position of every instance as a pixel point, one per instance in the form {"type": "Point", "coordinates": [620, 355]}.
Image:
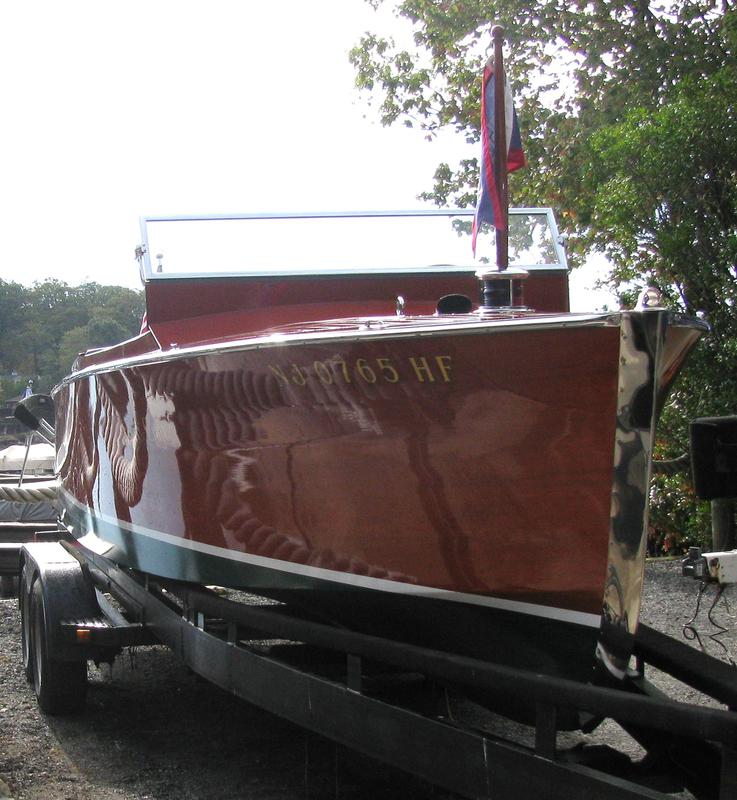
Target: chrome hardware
{"type": "Point", "coordinates": [159, 265]}
{"type": "Point", "coordinates": [502, 289]}
{"type": "Point", "coordinates": [399, 307]}
{"type": "Point", "coordinates": [140, 253]}
{"type": "Point", "coordinates": [641, 346]}
{"type": "Point", "coordinates": [650, 298]}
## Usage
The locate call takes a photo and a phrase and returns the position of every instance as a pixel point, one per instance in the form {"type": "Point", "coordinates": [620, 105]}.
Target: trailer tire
{"type": "Point", "coordinates": [26, 644]}
{"type": "Point", "coordinates": [60, 686]}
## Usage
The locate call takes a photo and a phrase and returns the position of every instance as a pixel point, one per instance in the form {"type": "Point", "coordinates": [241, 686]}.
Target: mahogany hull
{"type": "Point", "coordinates": [453, 485]}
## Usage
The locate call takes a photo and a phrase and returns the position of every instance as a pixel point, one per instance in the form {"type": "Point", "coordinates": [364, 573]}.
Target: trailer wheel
{"type": "Point", "coordinates": [26, 645]}
{"type": "Point", "coordinates": [60, 686]}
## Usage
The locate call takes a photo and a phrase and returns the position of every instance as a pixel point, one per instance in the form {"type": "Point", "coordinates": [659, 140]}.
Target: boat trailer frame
{"type": "Point", "coordinates": [13, 535]}
{"type": "Point", "coordinates": [76, 606]}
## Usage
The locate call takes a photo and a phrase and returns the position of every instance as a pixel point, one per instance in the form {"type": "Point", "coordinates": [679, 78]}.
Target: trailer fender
{"type": "Point", "coordinates": [68, 594]}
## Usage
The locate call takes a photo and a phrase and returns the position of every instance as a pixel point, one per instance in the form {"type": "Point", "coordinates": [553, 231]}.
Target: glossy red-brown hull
{"type": "Point", "coordinates": [476, 464]}
{"type": "Point", "coordinates": [464, 465]}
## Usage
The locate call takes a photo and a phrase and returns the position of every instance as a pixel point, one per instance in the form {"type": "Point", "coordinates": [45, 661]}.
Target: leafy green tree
{"type": "Point", "coordinates": [105, 330]}
{"type": "Point", "coordinates": [115, 302]}
{"type": "Point", "coordinates": [43, 327]}
{"type": "Point", "coordinates": [664, 196]}
{"type": "Point", "coordinates": [52, 307]}
{"type": "Point", "coordinates": [73, 342]}
{"type": "Point", "coordinates": [664, 193]}
{"type": "Point", "coordinates": [628, 116]}
{"type": "Point", "coordinates": [12, 307]}
{"type": "Point", "coordinates": [11, 387]}
{"type": "Point", "coordinates": [576, 67]}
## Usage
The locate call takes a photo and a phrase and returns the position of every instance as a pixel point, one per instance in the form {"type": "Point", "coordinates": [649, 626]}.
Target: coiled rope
{"type": "Point", "coordinates": [42, 492]}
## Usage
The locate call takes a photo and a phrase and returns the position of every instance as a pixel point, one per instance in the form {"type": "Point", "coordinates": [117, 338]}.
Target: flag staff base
{"type": "Point", "coordinates": [503, 289]}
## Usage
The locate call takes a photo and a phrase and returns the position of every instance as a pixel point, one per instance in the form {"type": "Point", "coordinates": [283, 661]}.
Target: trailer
{"type": "Point", "coordinates": [77, 606]}
{"type": "Point", "coordinates": [13, 535]}
{"type": "Point", "coordinates": [27, 491]}
{"type": "Point", "coordinates": [26, 515]}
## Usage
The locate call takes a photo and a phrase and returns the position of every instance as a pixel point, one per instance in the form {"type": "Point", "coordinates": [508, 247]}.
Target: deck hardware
{"type": "Point", "coordinates": [649, 298]}
{"type": "Point", "coordinates": [502, 289]}
{"type": "Point", "coordinates": [454, 304]}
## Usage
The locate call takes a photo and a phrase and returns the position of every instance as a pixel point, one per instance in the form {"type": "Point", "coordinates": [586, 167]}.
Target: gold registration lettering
{"type": "Point", "coordinates": [388, 371]}
{"type": "Point", "coordinates": [422, 369]}
{"type": "Point", "coordinates": [279, 372]}
{"type": "Point", "coordinates": [299, 375]}
{"type": "Point", "coordinates": [418, 369]}
{"type": "Point", "coordinates": [364, 370]}
{"type": "Point", "coordinates": [344, 369]}
{"type": "Point", "coordinates": [443, 363]}
{"type": "Point", "coordinates": [323, 372]}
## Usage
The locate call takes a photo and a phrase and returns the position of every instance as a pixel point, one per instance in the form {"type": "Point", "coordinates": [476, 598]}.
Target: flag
{"type": "Point", "coordinates": [488, 207]}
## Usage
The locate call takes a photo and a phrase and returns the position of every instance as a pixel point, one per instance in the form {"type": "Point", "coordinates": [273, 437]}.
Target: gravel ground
{"type": "Point", "coordinates": [152, 729]}
{"type": "Point", "coordinates": [669, 602]}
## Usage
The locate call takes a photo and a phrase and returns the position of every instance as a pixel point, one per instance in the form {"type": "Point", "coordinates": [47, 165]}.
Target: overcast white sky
{"type": "Point", "coordinates": [110, 110]}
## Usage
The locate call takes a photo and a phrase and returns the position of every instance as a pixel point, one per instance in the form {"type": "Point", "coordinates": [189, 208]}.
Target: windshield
{"type": "Point", "coordinates": [295, 244]}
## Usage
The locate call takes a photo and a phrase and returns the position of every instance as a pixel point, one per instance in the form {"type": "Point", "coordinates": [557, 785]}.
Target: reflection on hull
{"type": "Point", "coordinates": [536, 637]}
{"type": "Point", "coordinates": [471, 488]}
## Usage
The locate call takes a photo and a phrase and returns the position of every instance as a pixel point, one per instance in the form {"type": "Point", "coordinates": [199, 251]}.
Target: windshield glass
{"type": "Point", "coordinates": [341, 243]}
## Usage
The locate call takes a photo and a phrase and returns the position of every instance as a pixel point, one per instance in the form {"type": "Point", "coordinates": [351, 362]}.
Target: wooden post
{"type": "Point", "coordinates": [500, 149]}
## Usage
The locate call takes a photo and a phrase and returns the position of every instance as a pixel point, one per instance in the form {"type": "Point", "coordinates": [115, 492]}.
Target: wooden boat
{"type": "Point", "coordinates": [464, 476]}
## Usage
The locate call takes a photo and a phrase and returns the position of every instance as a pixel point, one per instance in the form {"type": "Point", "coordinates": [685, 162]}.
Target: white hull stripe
{"type": "Point", "coordinates": [94, 543]}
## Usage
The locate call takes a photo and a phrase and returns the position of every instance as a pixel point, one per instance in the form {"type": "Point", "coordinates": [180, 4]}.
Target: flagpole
{"type": "Point", "coordinates": [500, 148]}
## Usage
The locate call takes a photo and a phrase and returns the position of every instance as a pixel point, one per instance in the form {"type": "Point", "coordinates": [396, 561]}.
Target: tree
{"type": "Point", "coordinates": [12, 302]}
{"type": "Point", "coordinates": [73, 342]}
{"type": "Point", "coordinates": [576, 67]}
{"type": "Point", "coordinates": [664, 195]}
{"type": "Point", "coordinates": [43, 327]}
{"type": "Point", "coordinates": [628, 115]}
{"type": "Point", "coordinates": [122, 305]}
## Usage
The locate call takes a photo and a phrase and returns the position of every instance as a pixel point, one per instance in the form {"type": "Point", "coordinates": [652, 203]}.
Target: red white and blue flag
{"type": "Point", "coordinates": [488, 207]}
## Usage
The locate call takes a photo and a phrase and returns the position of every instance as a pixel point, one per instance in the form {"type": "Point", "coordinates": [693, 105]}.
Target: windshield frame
{"type": "Point", "coordinates": [150, 272]}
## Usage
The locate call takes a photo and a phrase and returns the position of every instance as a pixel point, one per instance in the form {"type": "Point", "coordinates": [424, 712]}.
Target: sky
{"type": "Point", "coordinates": [112, 110]}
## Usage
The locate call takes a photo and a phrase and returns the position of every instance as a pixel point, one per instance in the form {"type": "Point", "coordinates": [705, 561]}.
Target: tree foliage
{"type": "Point", "coordinates": [628, 114]}
{"type": "Point", "coordinates": [576, 67]}
{"type": "Point", "coordinates": [663, 181]}
{"type": "Point", "coordinates": [45, 326]}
